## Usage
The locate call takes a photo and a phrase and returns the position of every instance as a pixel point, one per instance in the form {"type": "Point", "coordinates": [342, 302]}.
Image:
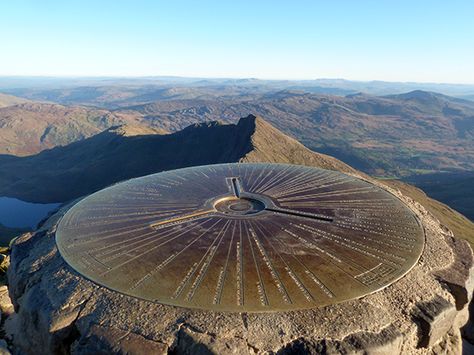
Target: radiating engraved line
{"type": "Point", "coordinates": [181, 218]}
{"type": "Point", "coordinates": [310, 185]}
{"type": "Point", "coordinates": [302, 176]}
{"type": "Point", "coordinates": [260, 285]}
{"type": "Point", "coordinates": [207, 262]}
{"type": "Point", "coordinates": [356, 246]}
{"type": "Point", "coordinates": [194, 267]}
{"type": "Point", "coordinates": [306, 293]}
{"type": "Point", "coordinates": [169, 259]}
{"type": "Point", "coordinates": [223, 273]}
{"type": "Point", "coordinates": [106, 234]}
{"type": "Point", "coordinates": [96, 234]}
{"type": "Point", "coordinates": [354, 191]}
{"type": "Point", "coordinates": [156, 247]}
{"type": "Point", "coordinates": [144, 242]}
{"type": "Point", "coordinates": [276, 277]}
{"type": "Point", "coordinates": [313, 181]}
{"type": "Point", "coordinates": [255, 181]}
{"type": "Point", "coordinates": [303, 179]}
{"type": "Point", "coordinates": [240, 268]}
{"type": "Point", "coordinates": [334, 260]}
{"type": "Point", "coordinates": [152, 241]}
{"type": "Point", "coordinates": [263, 179]}
{"type": "Point", "coordinates": [279, 176]}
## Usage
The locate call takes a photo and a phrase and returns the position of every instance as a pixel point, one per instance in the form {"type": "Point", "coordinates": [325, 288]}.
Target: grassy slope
{"type": "Point", "coordinates": [461, 226]}
{"type": "Point", "coordinates": [9, 100]}
{"type": "Point", "coordinates": [452, 188]}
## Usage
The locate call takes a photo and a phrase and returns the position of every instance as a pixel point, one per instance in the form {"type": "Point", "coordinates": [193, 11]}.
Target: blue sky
{"type": "Point", "coordinates": [417, 40]}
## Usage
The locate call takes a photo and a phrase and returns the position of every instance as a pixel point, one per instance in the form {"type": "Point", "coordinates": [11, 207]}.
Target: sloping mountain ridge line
{"type": "Point", "coordinates": [382, 135]}
{"type": "Point", "coordinates": [10, 100]}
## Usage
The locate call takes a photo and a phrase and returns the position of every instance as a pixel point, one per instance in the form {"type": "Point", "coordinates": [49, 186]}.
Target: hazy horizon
{"type": "Point", "coordinates": [158, 76]}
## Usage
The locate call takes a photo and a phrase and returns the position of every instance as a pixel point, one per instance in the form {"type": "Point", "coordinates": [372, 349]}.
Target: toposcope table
{"type": "Point", "coordinates": [242, 237]}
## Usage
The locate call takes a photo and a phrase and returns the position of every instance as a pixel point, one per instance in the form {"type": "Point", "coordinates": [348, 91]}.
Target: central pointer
{"type": "Point", "coordinates": [239, 206]}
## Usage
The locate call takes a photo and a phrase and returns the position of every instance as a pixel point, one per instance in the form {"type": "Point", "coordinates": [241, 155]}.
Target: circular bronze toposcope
{"type": "Point", "coordinates": [242, 237]}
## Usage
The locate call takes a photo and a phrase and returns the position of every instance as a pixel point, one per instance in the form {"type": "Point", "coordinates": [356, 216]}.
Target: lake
{"type": "Point", "coordinates": [16, 213]}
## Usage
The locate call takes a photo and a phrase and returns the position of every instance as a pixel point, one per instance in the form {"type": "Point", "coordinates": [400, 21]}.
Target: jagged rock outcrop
{"type": "Point", "coordinates": [59, 311]}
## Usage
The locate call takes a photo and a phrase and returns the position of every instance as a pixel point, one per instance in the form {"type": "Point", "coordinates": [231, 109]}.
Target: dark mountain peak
{"type": "Point", "coordinates": [254, 124]}
{"type": "Point", "coordinates": [264, 142]}
{"type": "Point", "coordinates": [249, 117]}
{"type": "Point", "coordinates": [248, 120]}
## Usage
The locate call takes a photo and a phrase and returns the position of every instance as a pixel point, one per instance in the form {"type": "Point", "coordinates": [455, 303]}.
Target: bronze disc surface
{"type": "Point", "coordinates": [242, 237]}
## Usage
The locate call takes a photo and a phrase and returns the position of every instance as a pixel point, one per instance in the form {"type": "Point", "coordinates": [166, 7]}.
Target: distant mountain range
{"type": "Point", "coordinates": [110, 92]}
{"type": "Point", "coordinates": [396, 135]}
{"type": "Point", "coordinates": [392, 135]}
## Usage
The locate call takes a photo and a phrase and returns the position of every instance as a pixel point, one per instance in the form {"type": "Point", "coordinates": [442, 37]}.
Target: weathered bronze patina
{"type": "Point", "coordinates": [242, 237]}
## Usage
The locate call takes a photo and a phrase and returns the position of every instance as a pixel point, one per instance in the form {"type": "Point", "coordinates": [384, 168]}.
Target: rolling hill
{"type": "Point", "coordinates": [28, 128]}
{"type": "Point", "coordinates": [396, 135]}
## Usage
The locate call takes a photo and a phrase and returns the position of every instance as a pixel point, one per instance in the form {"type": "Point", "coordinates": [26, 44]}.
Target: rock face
{"type": "Point", "coordinates": [59, 311]}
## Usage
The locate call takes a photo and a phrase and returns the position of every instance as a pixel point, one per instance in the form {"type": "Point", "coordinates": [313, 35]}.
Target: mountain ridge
{"type": "Point", "coordinates": [68, 172]}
